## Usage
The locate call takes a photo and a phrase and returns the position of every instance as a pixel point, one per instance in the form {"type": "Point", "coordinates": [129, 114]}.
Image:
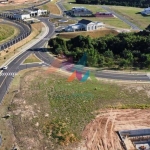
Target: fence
{"type": "Point", "coordinates": [25, 25]}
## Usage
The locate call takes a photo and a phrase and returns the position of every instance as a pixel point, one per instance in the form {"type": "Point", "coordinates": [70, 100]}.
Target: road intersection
{"type": "Point", "coordinates": [38, 49]}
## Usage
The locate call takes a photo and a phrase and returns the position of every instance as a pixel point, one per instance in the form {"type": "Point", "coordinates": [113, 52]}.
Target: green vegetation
{"type": "Point", "coordinates": [31, 59]}
{"type": "Point", "coordinates": [72, 104]}
{"type": "Point", "coordinates": [135, 3]}
{"type": "Point", "coordinates": [6, 31]}
{"type": "Point", "coordinates": [133, 14]}
{"type": "Point", "coordinates": [96, 8]}
{"type": "Point", "coordinates": [121, 51]}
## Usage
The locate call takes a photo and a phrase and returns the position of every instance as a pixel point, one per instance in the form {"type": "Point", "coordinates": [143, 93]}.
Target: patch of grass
{"type": "Point", "coordinates": [52, 7]}
{"type": "Point", "coordinates": [73, 103]}
{"type": "Point", "coordinates": [7, 32]}
{"type": "Point", "coordinates": [70, 105]}
{"type": "Point", "coordinates": [93, 34]}
{"type": "Point", "coordinates": [31, 59]}
{"type": "Point", "coordinates": [11, 51]}
{"type": "Point", "coordinates": [96, 8]}
{"type": "Point", "coordinates": [133, 14]}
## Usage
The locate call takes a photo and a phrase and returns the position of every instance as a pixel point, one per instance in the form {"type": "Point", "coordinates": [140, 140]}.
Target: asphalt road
{"type": "Point", "coordinates": [22, 28]}
{"type": "Point", "coordinates": [14, 66]}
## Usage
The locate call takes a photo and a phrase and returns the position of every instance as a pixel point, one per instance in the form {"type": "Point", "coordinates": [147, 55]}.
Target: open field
{"type": "Point", "coordinates": [8, 53]}
{"type": "Point", "coordinates": [52, 7]}
{"type": "Point", "coordinates": [56, 111]}
{"type": "Point", "coordinates": [133, 14]}
{"type": "Point", "coordinates": [93, 34]}
{"type": "Point", "coordinates": [96, 8]}
{"type": "Point", "coordinates": [7, 32]}
{"type": "Point", "coordinates": [31, 59]}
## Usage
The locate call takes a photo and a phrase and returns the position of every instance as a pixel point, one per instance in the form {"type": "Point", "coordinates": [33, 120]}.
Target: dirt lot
{"type": "Point", "coordinates": [101, 132]}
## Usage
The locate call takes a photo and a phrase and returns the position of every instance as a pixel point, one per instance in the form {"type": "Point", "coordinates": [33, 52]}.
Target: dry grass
{"type": "Point", "coordinates": [31, 59]}
{"type": "Point", "coordinates": [6, 129]}
{"type": "Point", "coordinates": [52, 7]}
{"type": "Point", "coordinates": [93, 34]}
{"type": "Point", "coordinates": [8, 53]}
{"type": "Point", "coordinates": [7, 32]}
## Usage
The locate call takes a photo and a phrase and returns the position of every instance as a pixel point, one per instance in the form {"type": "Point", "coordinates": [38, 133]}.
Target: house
{"type": "Point", "coordinates": [80, 11]}
{"type": "Point", "coordinates": [21, 15]}
{"type": "Point", "coordinates": [146, 11]}
{"type": "Point", "coordinates": [89, 25]}
{"type": "Point", "coordinates": [84, 25]}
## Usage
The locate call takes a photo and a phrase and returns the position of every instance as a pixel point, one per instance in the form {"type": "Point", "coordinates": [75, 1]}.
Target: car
{"type": "Point", "coordinates": [5, 67]}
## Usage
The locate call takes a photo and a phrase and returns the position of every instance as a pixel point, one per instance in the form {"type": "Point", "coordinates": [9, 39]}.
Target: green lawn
{"type": "Point", "coordinates": [96, 8]}
{"type": "Point", "coordinates": [31, 59]}
{"type": "Point", "coordinates": [133, 14]}
{"type": "Point", "coordinates": [7, 32]}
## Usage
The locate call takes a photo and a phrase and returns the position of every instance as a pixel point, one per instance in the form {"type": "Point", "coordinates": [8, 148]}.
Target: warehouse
{"type": "Point", "coordinates": [21, 16]}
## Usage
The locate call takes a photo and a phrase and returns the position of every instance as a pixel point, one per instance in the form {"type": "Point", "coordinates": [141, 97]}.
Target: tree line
{"type": "Point", "coordinates": [121, 51]}
{"type": "Point", "coordinates": [134, 3]}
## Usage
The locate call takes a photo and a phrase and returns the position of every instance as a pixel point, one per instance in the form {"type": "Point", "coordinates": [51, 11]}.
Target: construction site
{"type": "Point", "coordinates": [135, 139]}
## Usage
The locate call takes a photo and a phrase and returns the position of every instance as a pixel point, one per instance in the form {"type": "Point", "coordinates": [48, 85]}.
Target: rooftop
{"type": "Point", "coordinates": [84, 21]}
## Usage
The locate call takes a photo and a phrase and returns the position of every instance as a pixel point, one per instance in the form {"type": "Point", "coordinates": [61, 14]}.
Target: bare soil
{"type": "Point", "coordinates": [101, 132]}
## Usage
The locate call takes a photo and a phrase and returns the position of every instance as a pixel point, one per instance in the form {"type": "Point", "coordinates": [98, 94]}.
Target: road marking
{"type": "Point", "coordinates": [3, 81]}
{"type": "Point", "coordinates": [8, 74]}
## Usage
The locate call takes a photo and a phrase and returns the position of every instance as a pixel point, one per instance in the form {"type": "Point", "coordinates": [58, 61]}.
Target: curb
{"type": "Point", "coordinates": [28, 45]}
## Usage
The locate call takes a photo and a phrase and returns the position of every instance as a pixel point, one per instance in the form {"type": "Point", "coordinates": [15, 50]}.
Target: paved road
{"type": "Point", "coordinates": [22, 28]}
{"type": "Point", "coordinates": [133, 26]}
{"type": "Point", "coordinates": [40, 52]}
{"type": "Point", "coordinates": [13, 67]}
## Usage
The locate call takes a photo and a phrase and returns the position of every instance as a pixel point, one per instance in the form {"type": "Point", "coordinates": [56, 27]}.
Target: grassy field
{"type": "Point", "coordinates": [95, 8]}
{"type": "Point", "coordinates": [133, 14]}
{"type": "Point", "coordinates": [31, 59]}
{"type": "Point", "coordinates": [93, 34]}
{"type": "Point", "coordinates": [69, 105]}
{"type": "Point", "coordinates": [7, 32]}
{"type": "Point", "coordinates": [8, 53]}
{"type": "Point", "coordinates": [52, 7]}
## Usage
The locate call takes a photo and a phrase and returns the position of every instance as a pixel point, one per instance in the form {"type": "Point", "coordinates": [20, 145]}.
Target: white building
{"type": "Point", "coordinates": [85, 25]}
{"type": "Point", "coordinates": [21, 16]}
{"type": "Point", "coordinates": [89, 25]}
{"type": "Point", "coordinates": [146, 11]}
{"type": "Point", "coordinates": [36, 12]}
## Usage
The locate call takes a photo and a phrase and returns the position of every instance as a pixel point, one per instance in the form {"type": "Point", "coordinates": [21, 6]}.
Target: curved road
{"type": "Point", "coordinates": [15, 66]}
{"type": "Point", "coordinates": [22, 28]}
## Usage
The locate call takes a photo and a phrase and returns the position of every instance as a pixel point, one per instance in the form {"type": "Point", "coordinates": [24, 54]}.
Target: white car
{"type": "Point", "coordinates": [5, 67]}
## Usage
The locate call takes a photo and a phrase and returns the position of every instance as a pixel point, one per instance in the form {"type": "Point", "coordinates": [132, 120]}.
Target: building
{"type": "Point", "coordinates": [36, 12]}
{"type": "Point", "coordinates": [89, 25]}
{"type": "Point", "coordinates": [79, 12]}
{"type": "Point", "coordinates": [146, 11]}
{"type": "Point", "coordinates": [21, 16]}
{"type": "Point", "coordinates": [104, 14]}
{"type": "Point", "coordinates": [84, 25]}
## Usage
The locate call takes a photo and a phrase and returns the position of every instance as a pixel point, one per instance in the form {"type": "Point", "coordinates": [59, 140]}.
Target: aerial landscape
{"type": "Point", "coordinates": [74, 75]}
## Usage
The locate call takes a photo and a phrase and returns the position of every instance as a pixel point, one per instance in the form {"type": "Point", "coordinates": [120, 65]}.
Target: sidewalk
{"type": "Point", "coordinates": [25, 47]}
{"type": "Point", "coordinates": [28, 45]}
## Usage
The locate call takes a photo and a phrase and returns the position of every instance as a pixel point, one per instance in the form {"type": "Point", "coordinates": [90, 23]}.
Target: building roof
{"type": "Point", "coordinates": [84, 21]}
